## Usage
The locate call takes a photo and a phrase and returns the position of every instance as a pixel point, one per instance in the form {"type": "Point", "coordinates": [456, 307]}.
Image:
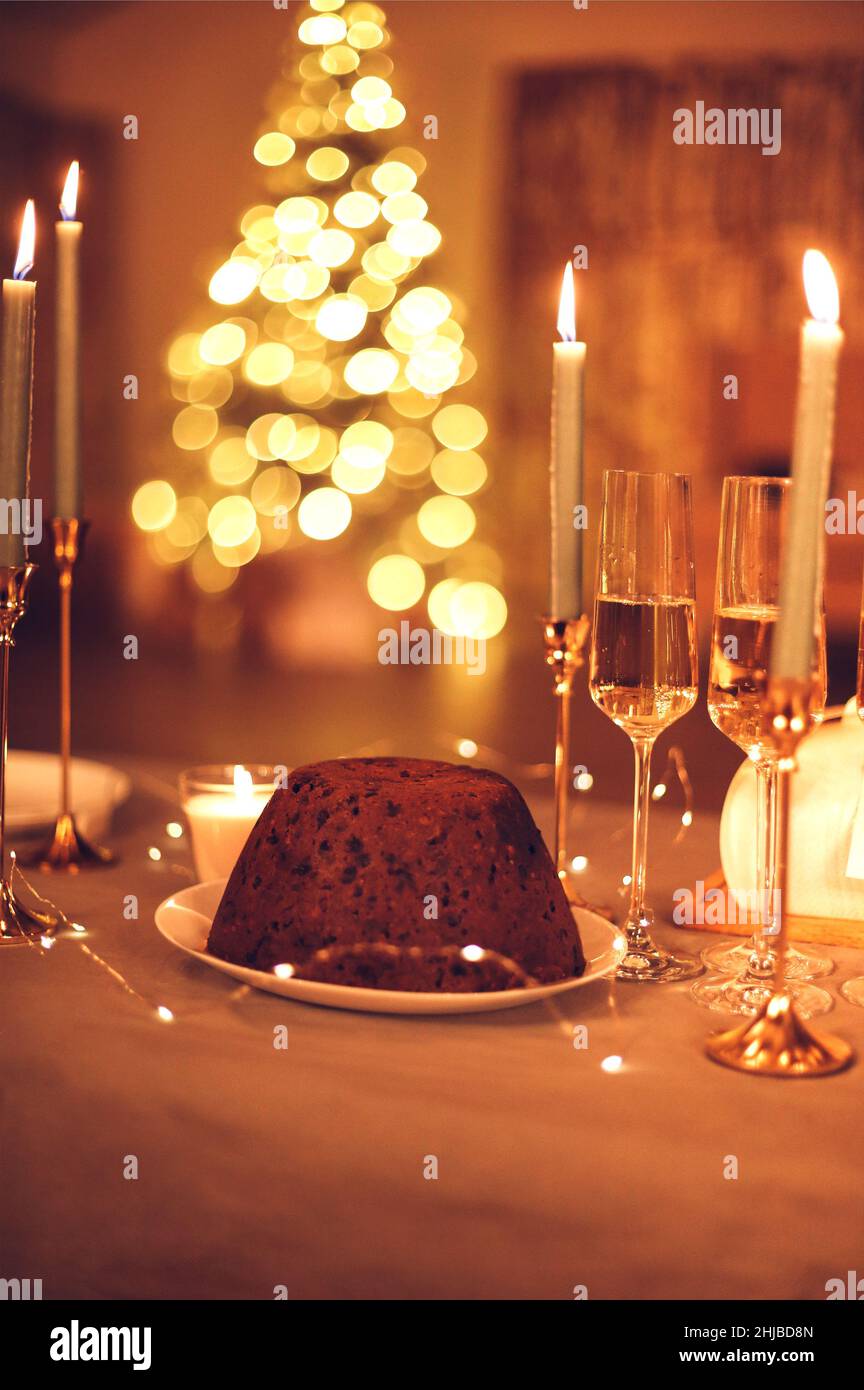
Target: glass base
{"type": "Point", "coordinates": [747, 994]}
{"type": "Point", "coordinates": [853, 990]}
{"type": "Point", "coordinates": [733, 958]}
{"type": "Point", "coordinates": [648, 963]}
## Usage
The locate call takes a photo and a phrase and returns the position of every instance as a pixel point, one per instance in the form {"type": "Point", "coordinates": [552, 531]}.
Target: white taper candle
{"type": "Point", "coordinates": [566, 462]}
{"type": "Point", "coordinates": [802, 564]}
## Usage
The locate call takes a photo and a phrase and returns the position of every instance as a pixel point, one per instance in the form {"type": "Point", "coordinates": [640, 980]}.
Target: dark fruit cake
{"type": "Point", "coordinates": [382, 871]}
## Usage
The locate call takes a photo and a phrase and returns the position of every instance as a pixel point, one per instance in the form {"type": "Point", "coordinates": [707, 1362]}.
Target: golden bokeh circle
{"type": "Point", "coordinates": [460, 427]}
{"type": "Point", "coordinates": [327, 164]}
{"type": "Point", "coordinates": [275, 489]}
{"type": "Point", "coordinates": [154, 506]}
{"type": "Point", "coordinates": [324, 513]}
{"type": "Point", "coordinates": [396, 583]}
{"type": "Point", "coordinates": [366, 444]}
{"type": "Point", "coordinates": [195, 427]}
{"type": "Point", "coordinates": [232, 521]}
{"type": "Point", "coordinates": [274, 148]}
{"type": "Point", "coordinates": [371, 371]}
{"type": "Point", "coordinates": [446, 521]}
{"type": "Point", "coordinates": [459, 473]}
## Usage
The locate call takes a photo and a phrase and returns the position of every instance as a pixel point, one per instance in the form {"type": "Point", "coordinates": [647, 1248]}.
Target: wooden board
{"type": "Point", "coordinates": [826, 931]}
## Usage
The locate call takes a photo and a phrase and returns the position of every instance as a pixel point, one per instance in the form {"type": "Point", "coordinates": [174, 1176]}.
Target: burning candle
{"type": "Point", "coordinates": [565, 467]}
{"type": "Point", "coordinates": [221, 814]}
{"type": "Point", "coordinates": [16, 390]}
{"type": "Point", "coordinates": [67, 395]}
{"type": "Point", "coordinates": [803, 551]}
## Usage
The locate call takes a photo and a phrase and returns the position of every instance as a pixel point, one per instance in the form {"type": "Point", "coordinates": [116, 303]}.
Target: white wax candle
{"type": "Point", "coordinates": [802, 564]}
{"type": "Point", "coordinates": [565, 467]}
{"type": "Point", "coordinates": [220, 824]}
{"type": "Point", "coordinates": [67, 407]}
{"type": "Point", "coordinates": [16, 386]}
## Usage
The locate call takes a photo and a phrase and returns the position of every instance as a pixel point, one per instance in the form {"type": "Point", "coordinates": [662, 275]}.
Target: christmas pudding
{"type": "Point", "coordinates": [398, 873]}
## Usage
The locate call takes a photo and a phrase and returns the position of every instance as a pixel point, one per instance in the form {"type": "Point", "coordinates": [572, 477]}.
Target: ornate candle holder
{"type": "Point", "coordinates": [777, 1042]}
{"type": "Point", "coordinates": [565, 640]}
{"type": "Point", "coordinates": [18, 922]}
{"type": "Point", "coordinates": [69, 850]}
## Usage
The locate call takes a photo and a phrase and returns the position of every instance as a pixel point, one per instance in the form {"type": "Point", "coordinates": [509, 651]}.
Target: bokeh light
{"type": "Point", "coordinates": [396, 582]}
{"type": "Point", "coordinates": [232, 521]}
{"type": "Point", "coordinates": [341, 317]}
{"type": "Point", "coordinates": [332, 333]}
{"type": "Point", "coordinates": [459, 473]}
{"type": "Point", "coordinates": [195, 427]}
{"type": "Point", "coordinates": [324, 513]}
{"type": "Point", "coordinates": [221, 344]}
{"type": "Point", "coordinates": [234, 281]}
{"type": "Point", "coordinates": [274, 148]}
{"type": "Point", "coordinates": [446, 521]}
{"type": "Point", "coordinates": [268, 364]}
{"type": "Point", "coordinates": [459, 427]}
{"type": "Point", "coordinates": [327, 164]}
{"type": "Point", "coordinates": [154, 506]}
{"type": "Point", "coordinates": [371, 371]}
{"type": "Point", "coordinates": [357, 481]}
{"type": "Point", "coordinates": [368, 444]}
{"type": "Point", "coordinates": [275, 489]}
{"type": "Point", "coordinates": [478, 610]}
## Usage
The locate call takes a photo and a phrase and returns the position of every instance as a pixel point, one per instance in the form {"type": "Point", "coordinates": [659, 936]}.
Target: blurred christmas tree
{"type": "Point", "coordinates": [330, 385]}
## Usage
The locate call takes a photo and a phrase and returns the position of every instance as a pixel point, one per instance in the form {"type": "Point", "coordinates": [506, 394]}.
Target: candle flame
{"type": "Point", "coordinates": [820, 287]}
{"type": "Point", "coordinates": [27, 244]}
{"type": "Point", "coordinates": [567, 306]}
{"type": "Point", "coordinates": [244, 783]}
{"type": "Point", "coordinates": [69, 196]}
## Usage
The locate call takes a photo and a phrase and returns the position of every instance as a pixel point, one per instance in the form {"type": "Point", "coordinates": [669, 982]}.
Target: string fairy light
{"type": "Point", "coordinates": [472, 955]}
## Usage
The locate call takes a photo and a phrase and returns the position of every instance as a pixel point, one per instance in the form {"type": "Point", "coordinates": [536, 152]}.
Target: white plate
{"type": "Point", "coordinates": [185, 921]}
{"type": "Point", "coordinates": [33, 792]}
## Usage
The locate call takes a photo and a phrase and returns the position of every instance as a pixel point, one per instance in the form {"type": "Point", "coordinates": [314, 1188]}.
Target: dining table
{"type": "Point", "coordinates": [171, 1134]}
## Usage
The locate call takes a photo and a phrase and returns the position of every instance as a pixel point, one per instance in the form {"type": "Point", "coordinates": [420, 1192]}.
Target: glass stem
{"type": "Point", "coordinates": [761, 961]}
{"type": "Point", "coordinates": [636, 932]}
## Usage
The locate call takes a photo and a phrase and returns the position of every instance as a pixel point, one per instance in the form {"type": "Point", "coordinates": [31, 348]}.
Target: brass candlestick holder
{"type": "Point", "coordinates": [18, 922]}
{"type": "Point", "coordinates": [69, 851]}
{"type": "Point", "coordinates": [565, 640]}
{"type": "Point", "coordinates": [777, 1042]}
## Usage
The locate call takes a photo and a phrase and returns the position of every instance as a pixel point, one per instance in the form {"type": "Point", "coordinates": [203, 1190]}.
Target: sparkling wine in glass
{"type": "Point", "coordinates": [644, 670]}
{"type": "Point", "coordinates": [752, 524]}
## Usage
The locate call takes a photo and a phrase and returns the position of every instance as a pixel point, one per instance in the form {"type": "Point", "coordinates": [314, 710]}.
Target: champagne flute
{"type": "Point", "coordinates": [752, 524]}
{"type": "Point", "coordinates": [853, 990]}
{"type": "Point", "coordinates": [644, 668]}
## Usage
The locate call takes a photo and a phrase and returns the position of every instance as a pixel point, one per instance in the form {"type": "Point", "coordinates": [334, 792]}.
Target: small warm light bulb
{"type": "Point", "coordinates": [165, 1014]}
{"type": "Point", "coordinates": [820, 287]}
{"type": "Point", "coordinates": [283, 972]}
{"type": "Point", "coordinates": [659, 791]}
{"type": "Point", "coordinates": [579, 864]}
{"type": "Point", "coordinates": [69, 196]}
{"type": "Point", "coordinates": [612, 1064]}
{"type": "Point", "coordinates": [27, 243]}
{"type": "Point", "coordinates": [567, 306]}
{"type": "Point", "coordinates": [627, 880]}
{"type": "Point", "coordinates": [472, 953]}
{"type": "Point", "coordinates": [154, 853]}
{"type": "Point", "coordinates": [174, 830]}
{"type": "Point", "coordinates": [687, 818]}
{"type": "Point", "coordinates": [466, 748]}
{"type": "Point", "coordinates": [46, 942]}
